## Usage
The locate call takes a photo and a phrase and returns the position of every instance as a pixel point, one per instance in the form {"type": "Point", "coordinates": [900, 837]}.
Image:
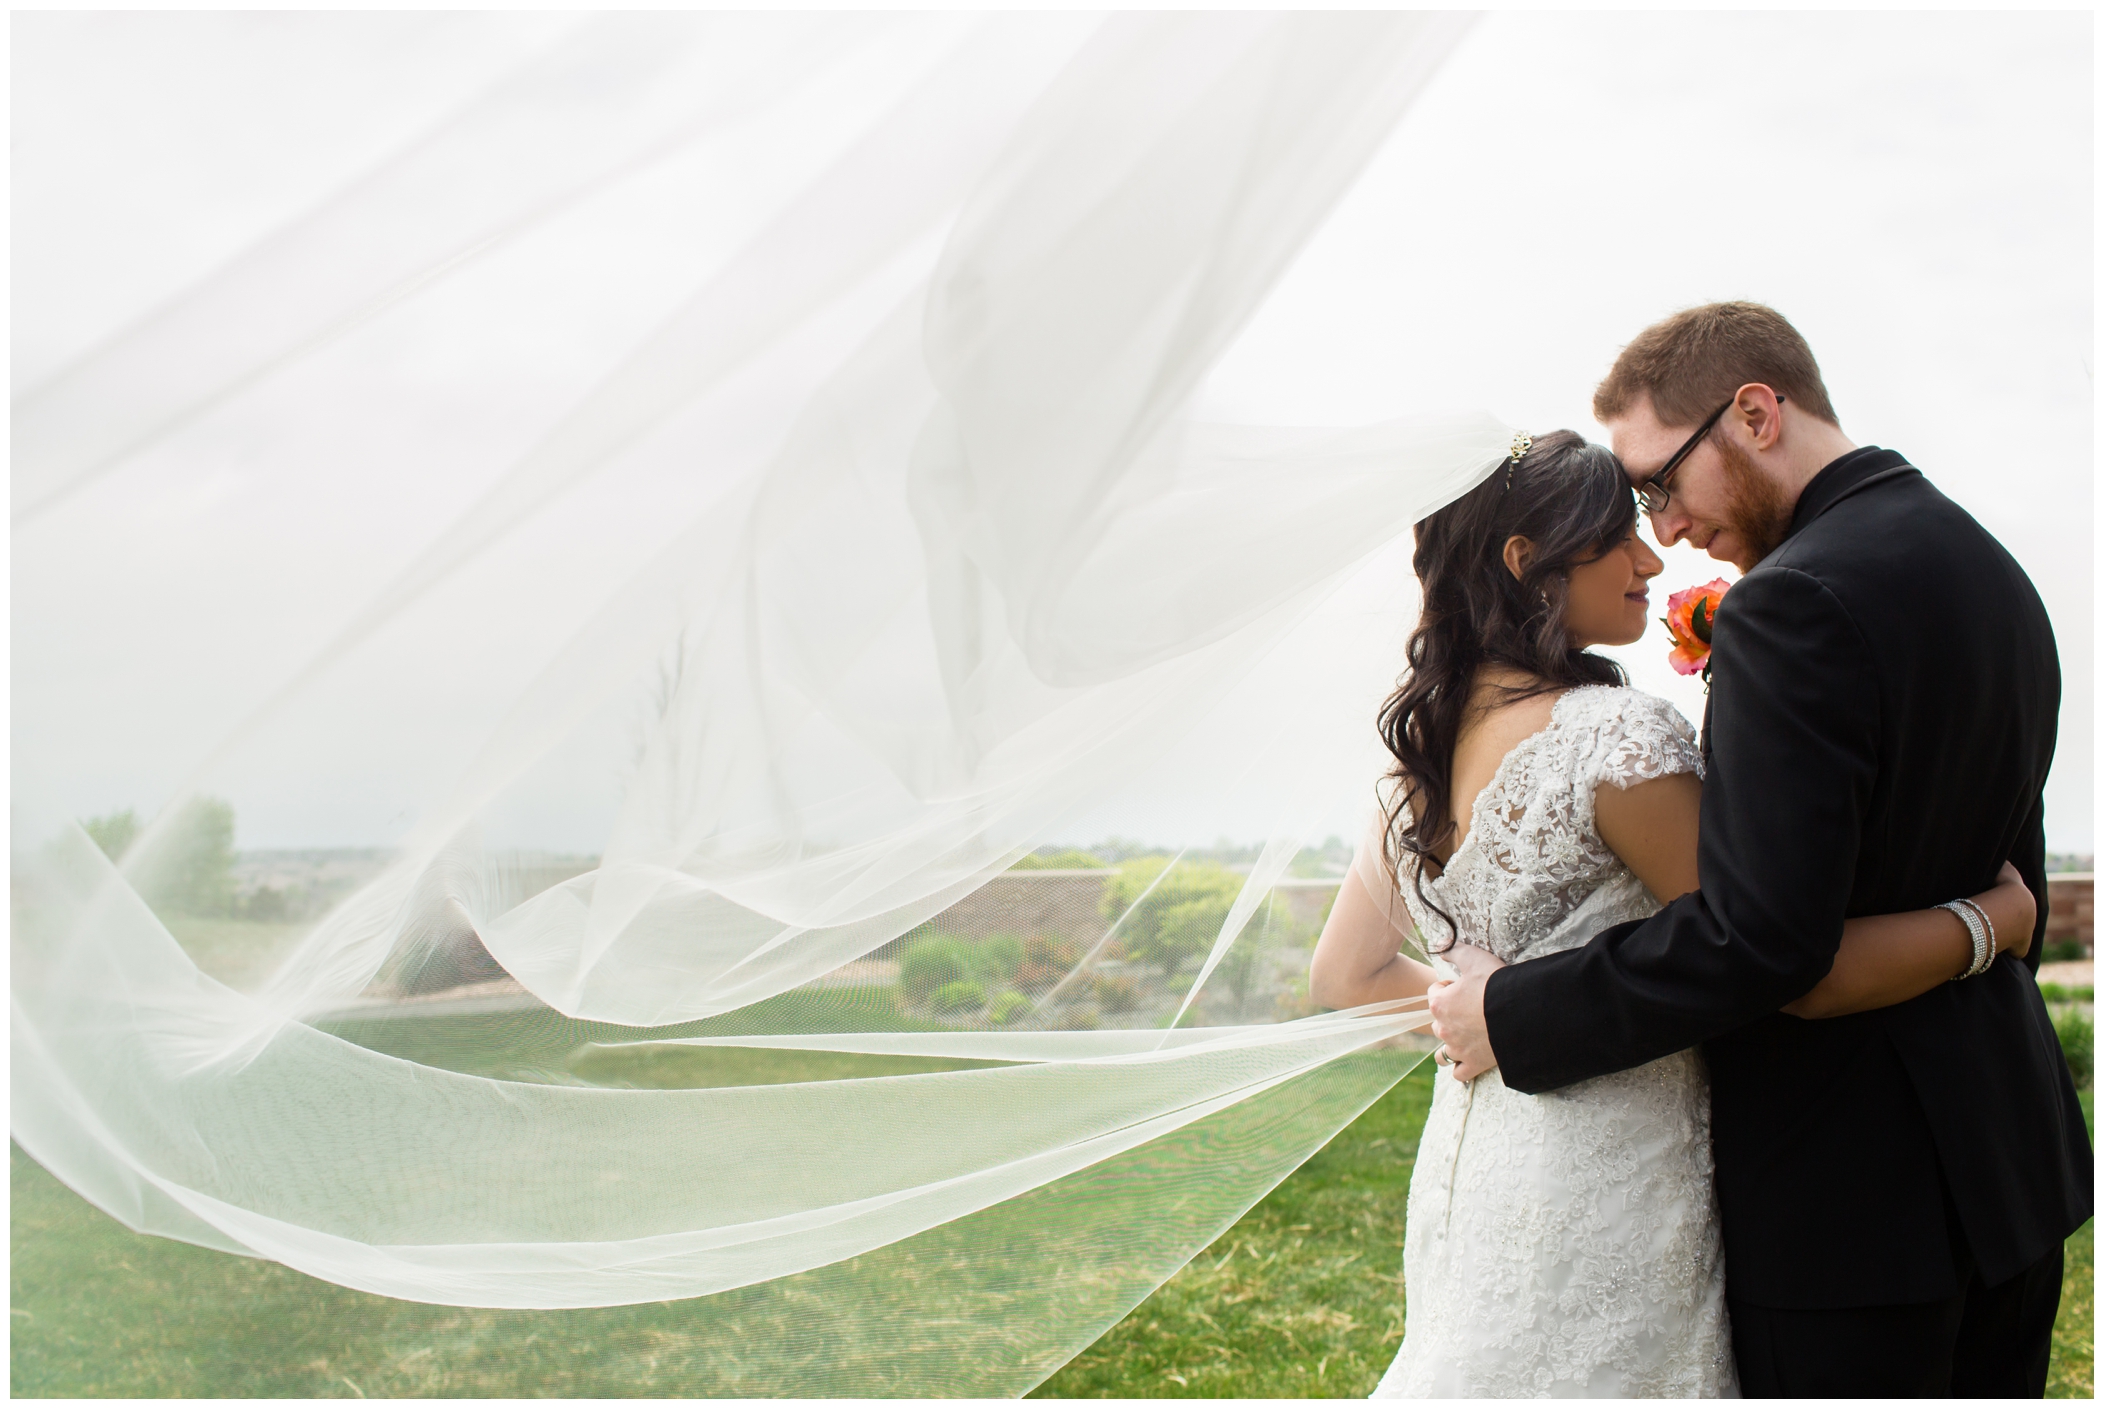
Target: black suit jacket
{"type": "Point", "coordinates": [1882, 712]}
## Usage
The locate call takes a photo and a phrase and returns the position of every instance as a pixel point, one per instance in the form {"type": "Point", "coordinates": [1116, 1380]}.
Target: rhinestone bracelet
{"type": "Point", "coordinates": [1982, 964]}
{"type": "Point", "coordinates": [1974, 921]}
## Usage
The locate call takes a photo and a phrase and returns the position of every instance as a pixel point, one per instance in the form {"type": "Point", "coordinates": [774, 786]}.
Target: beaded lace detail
{"type": "Point", "coordinates": [1563, 1244]}
{"type": "Point", "coordinates": [1532, 853]}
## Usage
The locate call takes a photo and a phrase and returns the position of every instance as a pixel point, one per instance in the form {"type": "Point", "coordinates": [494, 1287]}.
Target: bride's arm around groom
{"type": "Point", "coordinates": [1882, 715]}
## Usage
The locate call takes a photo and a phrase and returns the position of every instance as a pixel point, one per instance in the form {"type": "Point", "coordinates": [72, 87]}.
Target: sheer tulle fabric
{"type": "Point", "coordinates": [921, 556]}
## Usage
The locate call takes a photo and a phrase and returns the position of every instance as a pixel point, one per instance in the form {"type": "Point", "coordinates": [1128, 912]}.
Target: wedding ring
{"type": "Point", "coordinates": [1442, 1056]}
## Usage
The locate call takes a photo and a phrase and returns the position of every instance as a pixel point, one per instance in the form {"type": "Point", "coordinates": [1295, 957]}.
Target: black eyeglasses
{"type": "Point", "coordinates": [1652, 493]}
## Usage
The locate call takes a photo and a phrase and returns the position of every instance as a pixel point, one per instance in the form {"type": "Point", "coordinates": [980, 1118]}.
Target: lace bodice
{"type": "Point", "coordinates": [1566, 1243]}
{"type": "Point", "coordinates": [1532, 854]}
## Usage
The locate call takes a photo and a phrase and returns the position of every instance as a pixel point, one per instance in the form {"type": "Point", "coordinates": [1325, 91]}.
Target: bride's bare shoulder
{"type": "Point", "coordinates": [1503, 712]}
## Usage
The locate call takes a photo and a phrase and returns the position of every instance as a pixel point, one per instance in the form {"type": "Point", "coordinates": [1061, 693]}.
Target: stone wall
{"type": "Point", "coordinates": [1069, 905]}
{"type": "Point", "coordinates": [2069, 900]}
{"type": "Point", "coordinates": [1055, 904]}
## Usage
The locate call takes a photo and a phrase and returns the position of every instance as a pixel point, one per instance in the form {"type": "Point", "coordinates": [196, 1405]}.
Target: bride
{"type": "Point", "coordinates": [1563, 1244]}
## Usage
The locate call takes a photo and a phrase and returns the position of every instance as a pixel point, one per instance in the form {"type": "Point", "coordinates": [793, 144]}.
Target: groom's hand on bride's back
{"type": "Point", "coordinates": [1457, 1011]}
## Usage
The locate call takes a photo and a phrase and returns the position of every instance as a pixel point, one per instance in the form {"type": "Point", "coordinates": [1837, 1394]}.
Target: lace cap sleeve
{"type": "Point", "coordinates": [1640, 737]}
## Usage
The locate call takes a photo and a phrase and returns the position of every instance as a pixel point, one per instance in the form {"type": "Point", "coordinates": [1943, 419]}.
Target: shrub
{"type": "Point", "coordinates": [1007, 1008]}
{"type": "Point", "coordinates": [995, 958]}
{"type": "Point", "coordinates": [2078, 1040]}
{"type": "Point", "coordinates": [1045, 962]}
{"type": "Point", "coordinates": [1056, 953]}
{"type": "Point", "coordinates": [931, 962]}
{"type": "Point", "coordinates": [2055, 993]}
{"type": "Point", "coordinates": [1239, 969]}
{"type": "Point", "coordinates": [1186, 931]}
{"type": "Point", "coordinates": [269, 905]}
{"type": "Point", "coordinates": [1295, 1002]}
{"type": "Point", "coordinates": [1117, 993]}
{"type": "Point", "coordinates": [2063, 951]}
{"type": "Point", "coordinates": [957, 997]}
{"type": "Point", "coordinates": [1062, 859]}
{"type": "Point", "coordinates": [1078, 1020]}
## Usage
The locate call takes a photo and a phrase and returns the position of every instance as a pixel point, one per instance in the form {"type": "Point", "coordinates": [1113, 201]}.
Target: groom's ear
{"type": "Point", "coordinates": [1761, 409]}
{"type": "Point", "coordinates": [1519, 551]}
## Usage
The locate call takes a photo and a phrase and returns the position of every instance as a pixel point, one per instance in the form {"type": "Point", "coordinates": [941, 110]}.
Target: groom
{"type": "Point", "coordinates": [1895, 1185]}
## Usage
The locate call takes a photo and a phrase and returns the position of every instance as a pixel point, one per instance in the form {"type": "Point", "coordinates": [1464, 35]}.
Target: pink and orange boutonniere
{"type": "Point", "coordinates": [1690, 616]}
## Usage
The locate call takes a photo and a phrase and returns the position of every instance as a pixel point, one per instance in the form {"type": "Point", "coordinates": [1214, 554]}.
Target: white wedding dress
{"type": "Point", "coordinates": [1564, 1244]}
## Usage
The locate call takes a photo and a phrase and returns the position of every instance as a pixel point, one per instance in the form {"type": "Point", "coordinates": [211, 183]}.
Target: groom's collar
{"type": "Point", "coordinates": [1858, 469]}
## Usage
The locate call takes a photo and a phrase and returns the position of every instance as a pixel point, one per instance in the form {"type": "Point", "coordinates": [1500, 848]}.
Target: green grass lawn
{"type": "Point", "coordinates": [100, 1311]}
{"type": "Point", "coordinates": [2072, 1373]}
{"type": "Point", "coordinates": [239, 953]}
{"type": "Point", "coordinates": [1300, 1297]}
{"type": "Point", "coordinates": [1303, 1297]}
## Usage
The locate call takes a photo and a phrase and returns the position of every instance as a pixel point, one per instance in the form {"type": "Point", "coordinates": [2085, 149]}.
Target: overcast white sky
{"type": "Point", "coordinates": [1913, 190]}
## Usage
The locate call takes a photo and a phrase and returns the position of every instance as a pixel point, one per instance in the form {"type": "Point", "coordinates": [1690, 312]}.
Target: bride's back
{"type": "Point", "coordinates": [1535, 849]}
{"type": "Point", "coordinates": [1498, 722]}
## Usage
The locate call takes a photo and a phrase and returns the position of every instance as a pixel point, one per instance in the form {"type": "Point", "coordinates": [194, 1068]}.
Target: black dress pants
{"type": "Point", "coordinates": [1986, 1341]}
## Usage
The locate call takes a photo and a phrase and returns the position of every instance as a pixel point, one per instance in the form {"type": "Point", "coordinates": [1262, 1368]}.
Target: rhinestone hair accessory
{"type": "Point", "coordinates": [1521, 444]}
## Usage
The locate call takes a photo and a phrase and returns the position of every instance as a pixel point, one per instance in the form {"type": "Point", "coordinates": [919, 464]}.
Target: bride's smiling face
{"type": "Point", "coordinates": [1608, 602]}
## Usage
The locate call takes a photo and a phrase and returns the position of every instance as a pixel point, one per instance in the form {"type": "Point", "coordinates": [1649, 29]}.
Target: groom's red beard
{"type": "Point", "coordinates": [1755, 508]}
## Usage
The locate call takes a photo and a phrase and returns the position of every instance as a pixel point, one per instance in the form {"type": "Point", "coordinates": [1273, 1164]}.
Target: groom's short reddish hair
{"type": "Point", "coordinates": [1692, 363]}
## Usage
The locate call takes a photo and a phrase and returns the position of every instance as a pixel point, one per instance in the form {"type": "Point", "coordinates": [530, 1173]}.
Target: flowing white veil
{"type": "Point", "coordinates": [882, 496]}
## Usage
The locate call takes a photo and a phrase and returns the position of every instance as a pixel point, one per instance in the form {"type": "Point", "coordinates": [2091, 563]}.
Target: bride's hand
{"type": "Point", "coordinates": [1457, 1011]}
{"type": "Point", "coordinates": [2013, 909]}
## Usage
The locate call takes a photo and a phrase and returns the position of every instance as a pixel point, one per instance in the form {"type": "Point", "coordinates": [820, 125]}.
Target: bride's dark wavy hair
{"type": "Point", "coordinates": [1570, 499]}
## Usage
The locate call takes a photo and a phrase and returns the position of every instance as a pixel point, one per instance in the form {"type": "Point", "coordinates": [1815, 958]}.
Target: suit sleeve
{"type": "Point", "coordinates": [1794, 727]}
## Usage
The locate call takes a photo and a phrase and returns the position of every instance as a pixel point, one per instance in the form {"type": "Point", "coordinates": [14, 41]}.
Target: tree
{"type": "Point", "coordinates": [114, 833]}
{"type": "Point", "coordinates": [1179, 919]}
{"type": "Point", "coordinates": [269, 905]}
{"type": "Point", "coordinates": [190, 869]}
